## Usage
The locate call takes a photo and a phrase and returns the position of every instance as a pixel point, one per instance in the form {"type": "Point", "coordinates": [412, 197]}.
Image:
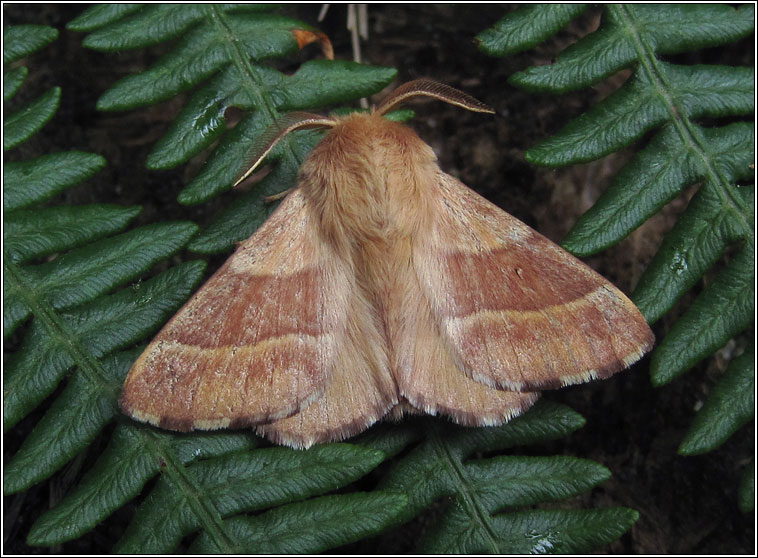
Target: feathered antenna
{"type": "Point", "coordinates": [425, 87]}
{"type": "Point", "coordinates": [286, 124]}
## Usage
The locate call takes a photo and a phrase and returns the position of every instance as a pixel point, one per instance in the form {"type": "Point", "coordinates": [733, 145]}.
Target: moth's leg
{"type": "Point", "coordinates": [275, 197]}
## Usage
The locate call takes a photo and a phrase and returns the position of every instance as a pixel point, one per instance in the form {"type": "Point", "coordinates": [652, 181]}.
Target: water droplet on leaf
{"type": "Point", "coordinates": [678, 263]}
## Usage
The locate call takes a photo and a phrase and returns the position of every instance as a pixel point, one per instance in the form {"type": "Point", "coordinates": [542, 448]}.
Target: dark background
{"type": "Point", "coordinates": [687, 504]}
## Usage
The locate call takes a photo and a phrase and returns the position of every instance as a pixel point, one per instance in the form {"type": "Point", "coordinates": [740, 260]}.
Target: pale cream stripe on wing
{"type": "Point", "coordinates": [604, 293]}
{"type": "Point", "coordinates": [323, 339]}
{"type": "Point", "coordinates": [243, 351]}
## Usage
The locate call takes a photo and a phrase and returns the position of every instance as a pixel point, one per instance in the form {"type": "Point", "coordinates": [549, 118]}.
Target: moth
{"type": "Point", "coordinates": [379, 284]}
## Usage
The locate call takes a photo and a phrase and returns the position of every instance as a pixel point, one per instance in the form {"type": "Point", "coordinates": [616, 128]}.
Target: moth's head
{"type": "Point", "coordinates": [358, 122]}
{"type": "Point", "coordinates": [368, 139]}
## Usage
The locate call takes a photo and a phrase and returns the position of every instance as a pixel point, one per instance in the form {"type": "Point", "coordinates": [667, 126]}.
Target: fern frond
{"type": "Point", "coordinates": [134, 456]}
{"type": "Point", "coordinates": [670, 101]}
{"type": "Point", "coordinates": [312, 526]}
{"type": "Point", "coordinates": [630, 35]}
{"type": "Point", "coordinates": [88, 271]}
{"type": "Point", "coordinates": [76, 319]}
{"type": "Point", "coordinates": [220, 51]}
{"type": "Point", "coordinates": [193, 494]}
{"type": "Point", "coordinates": [216, 488]}
{"type": "Point", "coordinates": [443, 466]}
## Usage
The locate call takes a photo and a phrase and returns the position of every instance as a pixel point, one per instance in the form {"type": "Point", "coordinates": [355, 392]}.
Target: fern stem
{"type": "Point", "coordinates": [206, 512]}
{"type": "Point", "coordinates": [251, 81]}
{"type": "Point", "coordinates": [657, 76]}
{"type": "Point", "coordinates": [240, 60]}
{"type": "Point", "coordinates": [456, 471]}
{"type": "Point", "coordinates": [53, 324]}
